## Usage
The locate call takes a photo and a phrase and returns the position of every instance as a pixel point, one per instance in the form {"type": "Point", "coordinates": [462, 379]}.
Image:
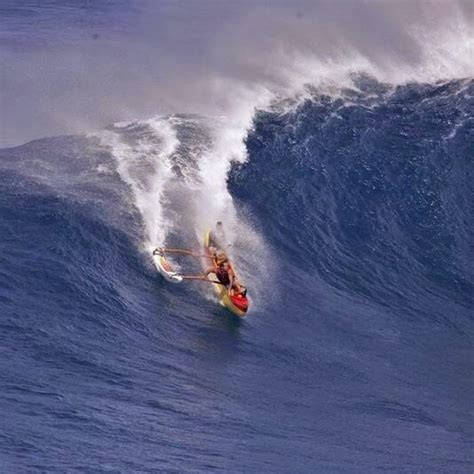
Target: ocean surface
{"type": "Point", "coordinates": [350, 213]}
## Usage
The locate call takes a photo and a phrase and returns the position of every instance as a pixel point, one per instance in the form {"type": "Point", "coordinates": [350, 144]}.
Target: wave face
{"type": "Point", "coordinates": [351, 218]}
{"type": "Point", "coordinates": [371, 191]}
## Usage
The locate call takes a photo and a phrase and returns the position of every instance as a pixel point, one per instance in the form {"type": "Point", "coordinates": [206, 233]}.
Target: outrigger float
{"type": "Point", "coordinates": [165, 268]}
{"type": "Point", "coordinates": [236, 303]}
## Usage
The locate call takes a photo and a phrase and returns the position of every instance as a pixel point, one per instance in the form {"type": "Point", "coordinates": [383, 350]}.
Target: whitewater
{"type": "Point", "coordinates": [336, 145]}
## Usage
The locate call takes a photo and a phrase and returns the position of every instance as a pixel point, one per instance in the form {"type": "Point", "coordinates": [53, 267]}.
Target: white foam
{"type": "Point", "coordinates": [145, 166]}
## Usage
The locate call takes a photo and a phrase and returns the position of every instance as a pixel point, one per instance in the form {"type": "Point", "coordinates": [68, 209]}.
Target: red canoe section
{"type": "Point", "coordinates": [240, 302]}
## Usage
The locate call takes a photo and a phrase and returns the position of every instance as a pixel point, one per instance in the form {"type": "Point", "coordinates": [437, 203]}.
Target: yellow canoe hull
{"type": "Point", "coordinates": [220, 291]}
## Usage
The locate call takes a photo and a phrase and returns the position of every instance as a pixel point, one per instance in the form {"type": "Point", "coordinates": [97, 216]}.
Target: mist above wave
{"type": "Point", "coordinates": [117, 63]}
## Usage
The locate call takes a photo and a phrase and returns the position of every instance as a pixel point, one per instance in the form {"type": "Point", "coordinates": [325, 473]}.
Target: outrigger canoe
{"type": "Point", "coordinates": [237, 304]}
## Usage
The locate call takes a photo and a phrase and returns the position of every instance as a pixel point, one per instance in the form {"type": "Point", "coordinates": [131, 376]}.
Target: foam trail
{"type": "Point", "coordinates": [228, 135]}
{"type": "Point", "coordinates": [143, 162]}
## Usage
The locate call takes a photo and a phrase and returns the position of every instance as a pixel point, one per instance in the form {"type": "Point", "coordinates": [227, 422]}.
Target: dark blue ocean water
{"type": "Point", "coordinates": [359, 361]}
{"type": "Point", "coordinates": [357, 353]}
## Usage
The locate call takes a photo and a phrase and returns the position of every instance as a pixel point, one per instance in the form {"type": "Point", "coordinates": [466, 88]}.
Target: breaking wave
{"type": "Point", "coordinates": [345, 184]}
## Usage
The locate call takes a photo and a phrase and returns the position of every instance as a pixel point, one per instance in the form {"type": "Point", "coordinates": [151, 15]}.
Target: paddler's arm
{"type": "Point", "coordinates": [232, 276]}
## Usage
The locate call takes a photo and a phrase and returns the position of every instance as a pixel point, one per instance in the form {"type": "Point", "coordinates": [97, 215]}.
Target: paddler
{"type": "Point", "coordinates": [226, 275]}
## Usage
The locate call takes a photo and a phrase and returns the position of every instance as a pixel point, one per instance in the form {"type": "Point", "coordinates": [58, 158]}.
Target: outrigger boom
{"type": "Point", "coordinates": [185, 252]}
{"type": "Point", "coordinates": [169, 273]}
